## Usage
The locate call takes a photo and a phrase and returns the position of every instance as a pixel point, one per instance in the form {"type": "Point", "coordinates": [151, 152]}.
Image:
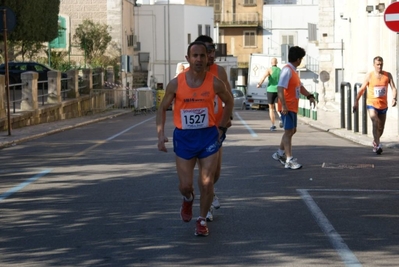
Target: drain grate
{"type": "Point", "coordinates": [346, 166]}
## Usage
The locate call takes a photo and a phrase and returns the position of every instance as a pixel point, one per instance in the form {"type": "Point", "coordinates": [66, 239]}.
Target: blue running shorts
{"type": "Point", "coordinates": [289, 120]}
{"type": "Point", "coordinates": [379, 111]}
{"type": "Point", "coordinates": [196, 143]}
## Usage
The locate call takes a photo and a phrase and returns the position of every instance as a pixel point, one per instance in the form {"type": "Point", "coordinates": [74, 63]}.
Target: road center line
{"type": "Point", "coordinates": [23, 184]}
{"type": "Point", "coordinates": [246, 126]}
{"type": "Point", "coordinates": [99, 143]}
{"type": "Point", "coordinates": [336, 240]}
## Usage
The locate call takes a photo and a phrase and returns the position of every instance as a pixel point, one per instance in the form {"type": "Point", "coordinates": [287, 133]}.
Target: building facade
{"type": "Point", "coordinates": [164, 31]}
{"type": "Point", "coordinates": [118, 14]}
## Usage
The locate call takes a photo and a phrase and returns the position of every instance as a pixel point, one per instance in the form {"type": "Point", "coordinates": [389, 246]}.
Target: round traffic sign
{"type": "Point", "coordinates": [391, 17]}
{"type": "Point", "coordinates": [10, 19]}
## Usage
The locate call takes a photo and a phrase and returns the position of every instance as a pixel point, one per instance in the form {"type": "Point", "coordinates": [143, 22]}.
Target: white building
{"type": "Point", "coordinates": [348, 44]}
{"type": "Point", "coordinates": [164, 32]}
{"type": "Point", "coordinates": [288, 24]}
{"type": "Point", "coordinates": [341, 38]}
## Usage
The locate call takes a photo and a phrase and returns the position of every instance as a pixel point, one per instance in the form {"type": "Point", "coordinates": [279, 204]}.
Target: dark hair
{"type": "Point", "coordinates": [378, 58]}
{"type": "Point", "coordinates": [195, 43]}
{"type": "Point", "coordinates": [295, 53]}
{"type": "Point", "coordinates": [204, 38]}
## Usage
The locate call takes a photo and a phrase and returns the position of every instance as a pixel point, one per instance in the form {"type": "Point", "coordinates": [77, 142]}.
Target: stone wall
{"type": "Point", "coordinates": [76, 105]}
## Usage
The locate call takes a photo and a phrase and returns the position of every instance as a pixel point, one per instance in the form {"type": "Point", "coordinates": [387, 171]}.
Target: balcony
{"type": "Point", "coordinates": [238, 20]}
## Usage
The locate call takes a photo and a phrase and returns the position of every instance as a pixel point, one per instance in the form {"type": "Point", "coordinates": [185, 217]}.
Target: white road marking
{"type": "Point", "coordinates": [336, 240]}
{"type": "Point", "coordinates": [252, 132]}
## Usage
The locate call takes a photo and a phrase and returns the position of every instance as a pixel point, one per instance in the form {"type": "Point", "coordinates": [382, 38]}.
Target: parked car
{"type": "Point", "coordinates": [15, 69]}
{"type": "Point", "coordinates": [240, 101]}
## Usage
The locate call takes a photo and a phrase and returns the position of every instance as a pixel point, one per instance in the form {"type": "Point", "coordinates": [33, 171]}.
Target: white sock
{"type": "Point", "coordinates": [188, 199]}
{"type": "Point", "coordinates": [289, 159]}
{"type": "Point", "coordinates": [280, 152]}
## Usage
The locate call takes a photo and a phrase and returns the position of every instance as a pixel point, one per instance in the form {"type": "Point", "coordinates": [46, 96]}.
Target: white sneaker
{"type": "Point", "coordinates": [209, 216]}
{"type": "Point", "coordinates": [282, 158]}
{"type": "Point", "coordinates": [292, 164]}
{"type": "Point", "coordinates": [215, 202]}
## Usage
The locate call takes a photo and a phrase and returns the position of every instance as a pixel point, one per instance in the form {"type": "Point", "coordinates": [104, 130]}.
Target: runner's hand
{"type": "Point", "coordinates": [161, 144]}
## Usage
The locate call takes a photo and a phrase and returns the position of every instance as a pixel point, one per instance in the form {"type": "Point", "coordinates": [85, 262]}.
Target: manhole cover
{"type": "Point", "coordinates": [346, 166]}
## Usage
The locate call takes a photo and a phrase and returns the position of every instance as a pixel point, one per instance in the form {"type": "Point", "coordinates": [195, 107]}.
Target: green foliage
{"type": "Point", "coordinates": [36, 21]}
{"type": "Point", "coordinates": [93, 38]}
{"type": "Point", "coordinates": [57, 59]}
{"type": "Point", "coordinates": [26, 49]}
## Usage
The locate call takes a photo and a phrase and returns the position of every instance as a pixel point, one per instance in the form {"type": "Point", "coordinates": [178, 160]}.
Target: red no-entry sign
{"type": "Point", "coordinates": [391, 17]}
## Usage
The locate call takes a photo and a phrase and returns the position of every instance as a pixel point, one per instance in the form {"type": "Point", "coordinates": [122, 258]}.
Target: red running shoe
{"type": "Point", "coordinates": [186, 210]}
{"type": "Point", "coordinates": [201, 229]}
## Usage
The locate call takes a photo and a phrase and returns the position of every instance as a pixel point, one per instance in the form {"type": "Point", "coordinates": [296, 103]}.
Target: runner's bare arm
{"type": "Point", "coordinates": [267, 73]}
{"type": "Point", "coordinates": [309, 96]}
{"type": "Point", "coordinates": [226, 97]}
{"type": "Point", "coordinates": [394, 90]}
{"type": "Point", "coordinates": [361, 91]}
{"type": "Point", "coordinates": [223, 76]}
{"type": "Point", "coordinates": [161, 113]}
{"type": "Point", "coordinates": [280, 93]}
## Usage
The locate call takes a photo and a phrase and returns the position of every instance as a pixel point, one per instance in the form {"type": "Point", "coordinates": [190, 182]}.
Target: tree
{"type": "Point", "coordinates": [36, 21]}
{"type": "Point", "coordinates": [93, 38]}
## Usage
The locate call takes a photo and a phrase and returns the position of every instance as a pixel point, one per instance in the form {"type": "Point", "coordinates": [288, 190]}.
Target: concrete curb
{"type": "Point", "coordinates": [346, 134]}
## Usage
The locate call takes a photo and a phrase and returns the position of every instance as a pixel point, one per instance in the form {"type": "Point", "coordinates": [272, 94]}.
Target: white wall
{"type": "Point", "coordinates": [282, 24]}
{"type": "Point", "coordinates": [366, 36]}
{"type": "Point", "coordinates": [165, 45]}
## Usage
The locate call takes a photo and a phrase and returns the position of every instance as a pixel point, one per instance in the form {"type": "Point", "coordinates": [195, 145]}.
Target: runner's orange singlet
{"type": "Point", "coordinates": [377, 91]}
{"type": "Point", "coordinates": [292, 92]}
{"type": "Point", "coordinates": [194, 106]}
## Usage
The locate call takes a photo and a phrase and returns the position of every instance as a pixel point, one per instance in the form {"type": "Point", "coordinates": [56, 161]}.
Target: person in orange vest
{"type": "Point", "coordinates": [289, 89]}
{"type": "Point", "coordinates": [197, 135]}
{"type": "Point", "coordinates": [219, 72]}
{"type": "Point", "coordinates": [376, 82]}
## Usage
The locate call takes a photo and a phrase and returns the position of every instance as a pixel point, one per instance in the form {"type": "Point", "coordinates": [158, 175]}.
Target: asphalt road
{"type": "Point", "coordinates": [103, 195]}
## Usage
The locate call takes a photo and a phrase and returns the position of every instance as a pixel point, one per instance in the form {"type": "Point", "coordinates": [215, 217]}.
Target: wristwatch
{"type": "Point", "coordinates": [223, 129]}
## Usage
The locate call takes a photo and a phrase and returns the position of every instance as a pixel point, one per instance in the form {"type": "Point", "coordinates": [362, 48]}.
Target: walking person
{"type": "Point", "coordinates": [273, 75]}
{"type": "Point", "coordinates": [219, 72]}
{"type": "Point", "coordinates": [376, 82]}
{"type": "Point", "coordinates": [289, 89]}
{"type": "Point", "coordinates": [196, 136]}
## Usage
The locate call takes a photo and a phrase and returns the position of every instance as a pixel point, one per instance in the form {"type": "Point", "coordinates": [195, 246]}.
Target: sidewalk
{"type": "Point", "coordinates": [329, 121]}
{"type": "Point", "coordinates": [31, 132]}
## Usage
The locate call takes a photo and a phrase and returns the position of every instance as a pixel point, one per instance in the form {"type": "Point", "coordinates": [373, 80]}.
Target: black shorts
{"type": "Point", "coordinates": [272, 98]}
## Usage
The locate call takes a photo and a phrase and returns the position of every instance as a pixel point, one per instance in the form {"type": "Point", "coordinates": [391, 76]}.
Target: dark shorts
{"type": "Point", "coordinates": [272, 98]}
{"type": "Point", "coordinates": [198, 143]}
{"type": "Point", "coordinates": [289, 120]}
{"type": "Point", "coordinates": [379, 111]}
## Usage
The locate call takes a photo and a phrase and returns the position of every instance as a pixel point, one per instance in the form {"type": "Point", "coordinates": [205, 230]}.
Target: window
{"type": "Point", "coordinates": [61, 40]}
{"type": "Point", "coordinates": [199, 29]}
{"type": "Point", "coordinates": [312, 32]}
{"type": "Point", "coordinates": [288, 39]}
{"type": "Point", "coordinates": [249, 38]}
{"type": "Point", "coordinates": [221, 36]}
{"type": "Point", "coordinates": [249, 3]}
{"type": "Point", "coordinates": [215, 4]}
{"type": "Point", "coordinates": [208, 30]}
{"type": "Point", "coordinates": [130, 40]}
